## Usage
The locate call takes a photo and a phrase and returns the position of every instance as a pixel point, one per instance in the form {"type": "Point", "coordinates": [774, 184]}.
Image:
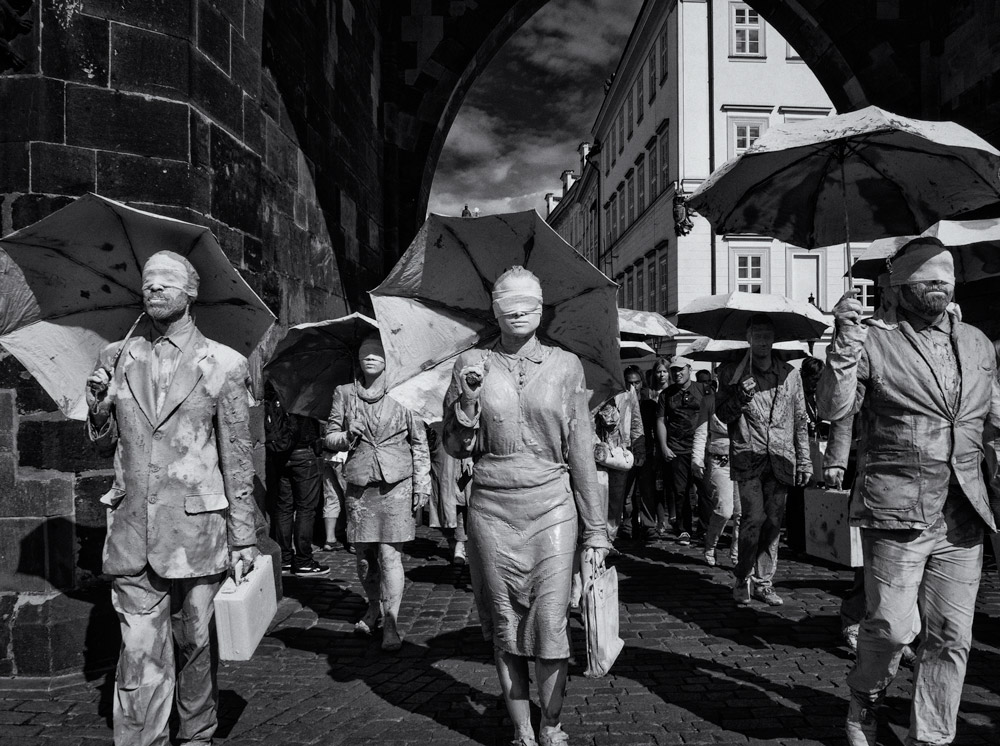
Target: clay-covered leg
{"type": "Point", "coordinates": [390, 557]}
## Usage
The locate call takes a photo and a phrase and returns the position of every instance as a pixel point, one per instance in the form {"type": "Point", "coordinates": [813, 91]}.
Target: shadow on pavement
{"type": "Point", "coordinates": [413, 679]}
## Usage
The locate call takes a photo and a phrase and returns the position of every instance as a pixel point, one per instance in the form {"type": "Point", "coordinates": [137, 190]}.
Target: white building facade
{"type": "Point", "coordinates": [697, 83]}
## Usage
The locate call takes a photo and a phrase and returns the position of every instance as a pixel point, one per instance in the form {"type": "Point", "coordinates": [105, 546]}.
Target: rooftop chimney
{"type": "Point", "coordinates": [584, 151]}
{"type": "Point", "coordinates": [568, 178]}
{"type": "Point", "coordinates": [551, 201]}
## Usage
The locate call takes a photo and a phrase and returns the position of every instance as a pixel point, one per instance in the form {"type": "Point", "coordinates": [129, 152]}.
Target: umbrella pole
{"type": "Point", "coordinates": [847, 221]}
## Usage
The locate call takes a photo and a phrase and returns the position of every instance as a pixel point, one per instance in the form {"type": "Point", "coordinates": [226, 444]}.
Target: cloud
{"type": "Point", "coordinates": [524, 118]}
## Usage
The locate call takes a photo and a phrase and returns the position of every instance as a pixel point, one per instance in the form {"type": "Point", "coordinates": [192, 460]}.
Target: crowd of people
{"type": "Point", "coordinates": [532, 488]}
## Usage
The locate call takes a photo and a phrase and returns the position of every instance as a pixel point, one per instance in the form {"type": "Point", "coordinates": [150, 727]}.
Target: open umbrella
{"type": "Point", "coordinates": [726, 316]}
{"type": "Point", "coordinates": [708, 350]}
{"type": "Point", "coordinates": [975, 245]}
{"type": "Point", "coordinates": [632, 323]}
{"type": "Point", "coordinates": [864, 175]}
{"type": "Point", "coordinates": [313, 359]}
{"type": "Point", "coordinates": [83, 267]}
{"type": "Point", "coordinates": [436, 303]}
{"type": "Point", "coordinates": [632, 350]}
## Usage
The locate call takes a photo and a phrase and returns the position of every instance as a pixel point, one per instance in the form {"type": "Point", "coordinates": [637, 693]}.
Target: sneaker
{"type": "Point", "coordinates": [710, 558]}
{"type": "Point", "coordinates": [862, 725]}
{"type": "Point", "coordinates": [741, 592]}
{"type": "Point", "coordinates": [313, 568]}
{"type": "Point", "coordinates": [286, 567]}
{"type": "Point", "coordinates": [768, 596]}
{"type": "Point", "coordinates": [458, 556]}
{"type": "Point", "coordinates": [684, 539]}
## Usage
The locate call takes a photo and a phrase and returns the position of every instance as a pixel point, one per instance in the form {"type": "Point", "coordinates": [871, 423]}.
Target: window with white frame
{"type": "Point", "coordinates": [631, 198]}
{"type": "Point", "coordinates": [664, 158]}
{"type": "Point", "coordinates": [791, 54]}
{"type": "Point", "coordinates": [651, 283]}
{"type": "Point", "coordinates": [662, 289]}
{"type": "Point", "coordinates": [865, 294]}
{"type": "Point", "coordinates": [749, 270]}
{"type": "Point", "coordinates": [640, 184]}
{"type": "Point", "coordinates": [746, 31]}
{"type": "Point", "coordinates": [651, 72]}
{"type": "Point", "coordinates": [653, 168]}
{"type": "Point", "coordinates": [663, 54]}
{"type": "Point", "coordinates": [743, 133]}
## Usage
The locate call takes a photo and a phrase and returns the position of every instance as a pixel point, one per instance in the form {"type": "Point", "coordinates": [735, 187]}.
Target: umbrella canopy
{"type": "Point", "coordinates": [313, 359]}
{"type": "Point", "coordinates": [436, 303]}
{"type": "Point", "coordinates": [975, 244]}
{"type": "Point", "coordinates": [83, 268]}
{"type": "Point", "coordinates": [632, 350]}
{"type": "Point", "coordinates": [708, 350]}
{"type": "Point", "coordinates": [726, 316]}
{"type": "Point", "coordinates": [864, 175]}
{"type": "Point", "coordinates": [632, 323]}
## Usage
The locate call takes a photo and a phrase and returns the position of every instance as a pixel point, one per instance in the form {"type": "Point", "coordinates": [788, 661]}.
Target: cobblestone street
{"type": "Point", "coordinates": [695, 670]}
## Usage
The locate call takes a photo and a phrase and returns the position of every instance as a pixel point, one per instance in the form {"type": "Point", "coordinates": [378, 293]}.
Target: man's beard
{"type": "Point", "coordinates": [929, 302]}
{"type": "Point", "coordinates": [166, 312]}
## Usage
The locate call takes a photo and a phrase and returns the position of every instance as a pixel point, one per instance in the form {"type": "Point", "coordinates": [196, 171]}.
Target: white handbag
{"type": "Point", "coordinates": [600, 619]}
{"type": "Point", "coordinates": [618, 458]}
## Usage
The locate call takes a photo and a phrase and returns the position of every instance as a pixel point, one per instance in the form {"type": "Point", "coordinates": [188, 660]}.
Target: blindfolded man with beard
{"type": "Point", "coordinates": [923, 385]}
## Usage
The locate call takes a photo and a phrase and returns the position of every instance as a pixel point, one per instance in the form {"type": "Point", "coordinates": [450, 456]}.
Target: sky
{"type": "Point", "coordinates": [523, 119]}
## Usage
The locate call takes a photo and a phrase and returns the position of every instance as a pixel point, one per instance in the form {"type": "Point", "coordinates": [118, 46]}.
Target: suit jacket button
{"type": "Point", "coordinates": [152, 499]}
{"type": "Point", "coordinates": [154, 467]}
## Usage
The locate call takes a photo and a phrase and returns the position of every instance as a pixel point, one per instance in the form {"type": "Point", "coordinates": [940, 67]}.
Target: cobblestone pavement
{"type": "Point", "coordinates": [695, 670]}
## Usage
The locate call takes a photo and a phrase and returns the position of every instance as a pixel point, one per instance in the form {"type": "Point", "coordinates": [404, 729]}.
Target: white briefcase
{"type": "Point", "coordinates": [600, 621]}
{"type": "Point", "coordinates": [243, 612]}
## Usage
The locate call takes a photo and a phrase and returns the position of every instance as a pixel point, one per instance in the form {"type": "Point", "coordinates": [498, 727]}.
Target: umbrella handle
{"type": "Point", "coordinates": [114, 364]}
{"type": "Point", "coordinates": [847, 220]}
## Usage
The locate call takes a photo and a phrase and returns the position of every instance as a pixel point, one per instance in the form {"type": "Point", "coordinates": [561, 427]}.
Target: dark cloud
{"type": "Point", "coordinates": [524, 118]}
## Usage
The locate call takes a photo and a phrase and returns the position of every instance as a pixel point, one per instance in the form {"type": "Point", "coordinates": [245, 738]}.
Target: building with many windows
{"type": "Point", "coordinates": [697, 83]}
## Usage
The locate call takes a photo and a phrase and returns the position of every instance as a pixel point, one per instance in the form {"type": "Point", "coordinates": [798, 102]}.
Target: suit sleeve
{"type": "Point", "coordinates": [235, 455]}
{"type": "Point", "coordinates": [337, 438]}
{"type": "Point", "coordinates": [105, 438]}
{"type": "Point", "coordinates": [803, 455]}
{"type": "Point", "coordinates": [459, 433]}
{"type": "Point", "coordinates": [842, 384]}
{"type": "Point", "coordinates": [420, 453]}
{"type": "Point", "coordinates": [591, 504]}
{"type": "Point", "coordinates": [838, 447]}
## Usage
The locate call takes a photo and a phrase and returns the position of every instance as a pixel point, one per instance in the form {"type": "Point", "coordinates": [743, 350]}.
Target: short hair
{"type": "Point", "coordinates": [812, 366]}
{"type": "Point", "coordinates": [760, 319]}
{"type": "Point", "coordinates": [703, 372]}
{"type": "Point", "coordinates": [633, 370]}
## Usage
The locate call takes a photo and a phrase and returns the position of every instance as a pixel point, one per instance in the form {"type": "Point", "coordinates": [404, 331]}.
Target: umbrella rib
{"type": "Point", "coordinates": [873, 167]}
{"type": "Point", "coordinates": [946, 155]}
{"type": "Point", "coordinates": [53, 317]}
{"type": "Point", "coordinates": [482, 278]}
{"type": "Point", "coordinates": [128, 238]}
{"type": "Point", "coordinates": [813, 151]}
{"type": "Point", "coordinates": [814, 199]}
{"type": "Point", "coordinates": [80, 264]}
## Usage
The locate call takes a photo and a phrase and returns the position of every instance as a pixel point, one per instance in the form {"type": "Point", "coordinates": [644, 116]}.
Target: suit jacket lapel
{"type": "Point", "coordinates": [139, 377]}
{"type": "Point", "coordinates": [185, 378]}
{"type": "Point", "coordinates": [910, 335]}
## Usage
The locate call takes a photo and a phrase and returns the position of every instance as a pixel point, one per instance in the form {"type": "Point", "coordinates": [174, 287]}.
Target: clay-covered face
{"type": "Point", "coordinates": [761, 338]}
{"type": "Point", "coordinates": [518, 317]}
{"type": "Point", "coordinates": [164, 284]}
{"type": "Point", "coordinates": [928, 299]}
{"type": "Point", "coordinates": [371, 358]}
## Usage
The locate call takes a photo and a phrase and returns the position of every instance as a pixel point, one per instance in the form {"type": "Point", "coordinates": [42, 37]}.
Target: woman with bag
{"type": "Point", "coordinates": [387, 471]}
{"type": "Point", "coordinates": [519, 410]}
{"type": "Point", "coordinates": [619, 442]}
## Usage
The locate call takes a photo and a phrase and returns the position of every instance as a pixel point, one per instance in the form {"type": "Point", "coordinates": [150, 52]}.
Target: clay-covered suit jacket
{"type": "Point", "coordinates": [183, 490]}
